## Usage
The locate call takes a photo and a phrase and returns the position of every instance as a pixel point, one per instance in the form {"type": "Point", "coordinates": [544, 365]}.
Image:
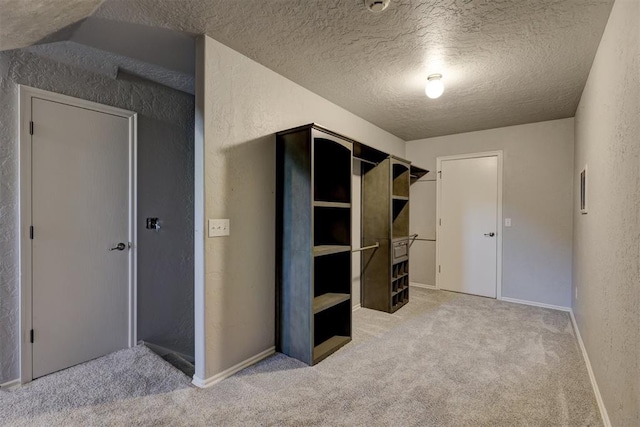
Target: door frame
{"type": "Point", "coordinates": [499, 227]}
{"type": "Point", "coordinates": [26, 95]}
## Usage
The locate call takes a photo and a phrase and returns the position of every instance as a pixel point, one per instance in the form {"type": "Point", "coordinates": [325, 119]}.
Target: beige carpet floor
{"type": "Point", "coordinates": [445, 359]}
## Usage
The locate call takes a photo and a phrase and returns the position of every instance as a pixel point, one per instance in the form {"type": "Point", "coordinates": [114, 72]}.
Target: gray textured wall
{"type": "Point", "coordinates": [606, 263]}
{"type": "Point", "coordinates": [422, 211]}
{"type": "Point", "coordinates": [9, 255]}
{"type": "Point", "coordinates": [165, 144]}
{"type": "Point", "coordinates": [537, 192]}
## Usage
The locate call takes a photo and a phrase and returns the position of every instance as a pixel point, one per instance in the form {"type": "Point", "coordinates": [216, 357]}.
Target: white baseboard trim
{"type": "Point", "coordinates": [204, 383]}
{"type": "Point", "coordinates": [537, 304]}
{"type": "Point", "coordinates": [422, 285]}
{"type": "Point", "coordinates": [9, 384]}
{"type": "Point", "coordinates": [356, 307]}
{"type": "Point", "coordinates": [603, 411]}
{"type": "Point", "coordinates": [583, 349]}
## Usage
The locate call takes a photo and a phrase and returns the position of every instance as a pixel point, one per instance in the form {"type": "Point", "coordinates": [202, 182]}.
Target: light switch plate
{"type": "Point", "coordinates": [507, 222]}
{"type": "Point", "coordinates": [218, 227]}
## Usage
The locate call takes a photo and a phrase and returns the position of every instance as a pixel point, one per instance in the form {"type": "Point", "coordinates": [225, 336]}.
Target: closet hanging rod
{"type": "Point", "coordinates": [366, 161]}
{"type": "Point", "coordinates": [377, 245]}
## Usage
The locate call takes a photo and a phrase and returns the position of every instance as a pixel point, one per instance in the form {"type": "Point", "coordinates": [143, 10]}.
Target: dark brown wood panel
{"type": "Point", "coordinates": [313, 242]}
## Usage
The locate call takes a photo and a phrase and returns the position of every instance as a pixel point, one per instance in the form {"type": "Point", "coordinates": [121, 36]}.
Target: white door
{"type": "Point", "coordinates": [467, 235]}
{"type": "Point", "coordinates": [80, 210]}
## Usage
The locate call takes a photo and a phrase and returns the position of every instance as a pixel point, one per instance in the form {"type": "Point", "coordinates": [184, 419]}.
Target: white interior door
{"type": "Point", "coordinates": [467, 238]}
{"type": "Point", "coordinates": [80, 210]}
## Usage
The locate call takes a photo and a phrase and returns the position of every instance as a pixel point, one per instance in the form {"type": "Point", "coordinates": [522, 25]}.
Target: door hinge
{"type": "Point", "coordinates": [440, 222]}
{"type": "Point", "coordinates": [31, 232]}
{"type": "Point", "coordinates": [439, 172]}
{"type": "Point", "coordinates": [31, 128]}
{"type": "Point", "coordinates": [31, 336]}
{"type": "Point", "coordinates": [439, 269]}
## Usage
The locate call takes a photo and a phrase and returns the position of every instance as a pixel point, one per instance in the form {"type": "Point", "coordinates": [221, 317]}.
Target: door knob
{"type": "Point", "coordinates": [490, 234]}
{"type": "Point", "coordinates": [119, 247]}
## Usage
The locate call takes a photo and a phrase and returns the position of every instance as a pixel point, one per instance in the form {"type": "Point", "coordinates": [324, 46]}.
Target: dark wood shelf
{"type": "Point", "coordinates": [329, 346]}
{"type": "Point", "coordinates": [400, 238]}
{"type": "Point", "coordinates": [318, 204]}
{"type": "Point", "coordinates": [417, 173]}
{"type": "Point", "coordinates": [328, 300]}
{"type": "Point", "coordinates": [385, 218]}
{"type": "Point", "coordinates": [314, 174]}
{"type": "Point", "coordinates": [323, 250]}
{"type": "Point", "coordinates": [399, 260]}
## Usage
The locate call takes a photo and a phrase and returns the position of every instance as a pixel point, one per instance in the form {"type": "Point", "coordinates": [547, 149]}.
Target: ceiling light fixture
{"type": "Point", "coordinates": [434, 86]}
{"type": "Point", "coordinates": [376, 5]}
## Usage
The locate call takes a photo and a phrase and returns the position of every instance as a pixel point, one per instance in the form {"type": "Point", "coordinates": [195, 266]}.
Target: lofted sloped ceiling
{"type": "Point", "coordinates": [27, 22]}
{"type": "Point", "coordinates": [504, 62]}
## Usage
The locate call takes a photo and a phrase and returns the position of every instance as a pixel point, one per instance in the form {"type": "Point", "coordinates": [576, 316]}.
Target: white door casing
{"type": "Point", "coordinates": [470, 209]}
{"type": "Point", "coordinates": [78, 192]}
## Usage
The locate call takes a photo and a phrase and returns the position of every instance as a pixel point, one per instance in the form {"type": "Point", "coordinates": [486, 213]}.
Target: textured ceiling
{"type": "Point", "coordinates": [504, 62]}
{"type": "Point", "coordinates": [26, 22]}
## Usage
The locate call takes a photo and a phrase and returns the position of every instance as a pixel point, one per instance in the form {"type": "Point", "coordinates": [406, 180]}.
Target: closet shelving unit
{"type": "Point", "coordinates": [399, 232]}
{"type": "Point", "coordinates": [385, 219]}
{"type": "Point", "coordinates": [313, 267]}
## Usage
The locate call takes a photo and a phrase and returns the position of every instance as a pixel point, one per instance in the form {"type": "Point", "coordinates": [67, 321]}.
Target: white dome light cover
{"type": "Point", "coordinates": [434, 88]}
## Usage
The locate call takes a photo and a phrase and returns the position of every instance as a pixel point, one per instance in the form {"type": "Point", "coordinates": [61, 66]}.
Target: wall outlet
{"type": "Point", "coordinates": [218, 227]}
{"type": "Point", "coordinates": [507, 222]}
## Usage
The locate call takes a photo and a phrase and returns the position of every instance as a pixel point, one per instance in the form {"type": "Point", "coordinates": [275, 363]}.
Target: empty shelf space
{"type": "Point", "coordinates": [397, 291]}
{"type": "Point", "coordinates": [329, 300]}
{"type": "Point", "coordinates": [331, 204]}
{"type": "Point", "coordinates": [399, 298]}
{"type": "Point", "coordinates": [322, 250]}
{"type": "Point", "coordinates": [400, 183]}
{"type": "Point", "coordinates": [400, 270]}
{"type": "Point", "coordinates": [398, 306]}
{"type": "Point", "coordinates": [331, 226]}
{"type": "Point", "coordinates": [398, 286]}
{"type": "Point", "coordinates": [329, 346]}
{"type": "Point", "coordinates": [332, 170]}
